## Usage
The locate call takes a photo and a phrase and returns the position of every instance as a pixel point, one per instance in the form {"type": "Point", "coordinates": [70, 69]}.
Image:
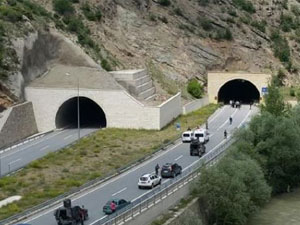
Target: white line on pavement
{"type": "Point", "coordinates": [97, 220]}
{"type": "Point", "coordinates": [65, 138]}
{"type": "Point", "coordinates": [12, 162]}
{"type": "Point", "coordinates": [44, 148]}
{"type": "Point", "coordinates": [178, 157]}
{"type": "Point", "coordinates": [226, 121]}
{"type": "Point", "coordinates": [118, 192]}
{"type": "Point", "coordinates": [25, 147]}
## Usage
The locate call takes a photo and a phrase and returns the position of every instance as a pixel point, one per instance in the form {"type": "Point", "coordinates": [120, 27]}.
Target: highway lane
{"type": "Point", "coordinates": [125, 185]}
{"type": "Point", "coordinates": [20, 156]}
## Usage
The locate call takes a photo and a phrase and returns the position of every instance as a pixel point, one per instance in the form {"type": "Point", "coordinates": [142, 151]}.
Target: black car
{"type": "Point", "coordinates": [170, 170]}
{"type": "Point", "coordinates": [119, 204]}
{"type": "Point", "coordinates": [197, 148]}
{"type": "Point", "coordinates": [68, 215]}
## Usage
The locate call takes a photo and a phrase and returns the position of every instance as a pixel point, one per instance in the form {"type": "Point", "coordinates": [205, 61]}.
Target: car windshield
{"type": "Point", "coordinates": [199, 135]}
{"type": "Point", "coordinates": [143, 178]}
{"type": "Point", "coordinates": [186, 135]}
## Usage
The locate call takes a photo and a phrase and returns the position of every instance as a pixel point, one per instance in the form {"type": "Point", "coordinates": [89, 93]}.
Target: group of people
{"type": "Point", "coordinates": [235, 104]}
{"type": "Point", "coordinates": [225, 131]}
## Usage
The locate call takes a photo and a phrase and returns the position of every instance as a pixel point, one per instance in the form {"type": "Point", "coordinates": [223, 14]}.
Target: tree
{"type": "Point", "coordinates": [274, 103]}
{"type": "Point", "coordinates": [276, 146]}
{"type": "Point", "coordinates": [231, 190]}
{"type": "Point", "coordinates": [195, 88]}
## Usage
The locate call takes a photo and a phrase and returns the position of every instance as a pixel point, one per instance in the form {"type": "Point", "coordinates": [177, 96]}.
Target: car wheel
{"type": "Point", "coordinates": [152, 186]}
{"type": "Point", "coordinates": [140, 187]}
{"type": "Point", "coordinates": [159, 183]}
{"type": "Point", "coordinates": [173, 175]}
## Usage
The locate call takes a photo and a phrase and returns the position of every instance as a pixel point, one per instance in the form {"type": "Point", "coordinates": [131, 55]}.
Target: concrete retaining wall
{"type": "Point", "coordinates": [120, 108]}
{"type": "Point", "coordinates": [194, 105]}
{"type": "Point", "coordinates": [17, 124]}
{"type": "Point", "coordinates": [170, 109]}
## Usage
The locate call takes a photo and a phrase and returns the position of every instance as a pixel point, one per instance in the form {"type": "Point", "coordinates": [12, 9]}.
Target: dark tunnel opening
{"type": "Point", "coordinates": [238, 90]}
{"type": "Point", "coordinates": [90, 114]}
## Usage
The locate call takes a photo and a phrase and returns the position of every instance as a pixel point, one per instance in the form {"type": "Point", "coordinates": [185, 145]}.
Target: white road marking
{"type": "Point", "coordinates": [217, 114]}
{"type": "Point", "coordinates": [178, 157]}
{"type": "Point", "coordinates": [12, 162]}
{"type": "Point", "coordinates": [244, 119]}
{"type": "Point", "coordinates": [122, 175]}
{"type": "Point", "coordinates": [118, 192]}
{"type": "Point", "coordinates": [32, 144]}
{"type": "Point", "coordinates": [226, 121]}
{"type": "Point", "coordinates": [44, 148]}
{"type": "Point", "coordinates": [97, 220]}
{"type": "Point", "coordinates": [71, 135]}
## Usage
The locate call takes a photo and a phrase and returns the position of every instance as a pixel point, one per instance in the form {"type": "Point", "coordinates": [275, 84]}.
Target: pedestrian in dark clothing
{"type": "Point", "coordinates": [225, 134]}
{"type": "Point", "coordinates": [230, 120]}
{"type": "Point", "coordinates": [206, 125]}
{"type": "Point", "coordinates": [156, 169]}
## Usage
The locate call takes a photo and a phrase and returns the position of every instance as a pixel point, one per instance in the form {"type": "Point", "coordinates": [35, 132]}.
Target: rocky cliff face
{"type": "Point", "coordinates": [183, 39]}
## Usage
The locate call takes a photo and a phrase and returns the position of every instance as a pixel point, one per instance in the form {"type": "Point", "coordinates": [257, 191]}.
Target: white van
{"type": "Point", "coordinates": [187, 136]}
{"type": "Point", "coordinates": [202, 135]}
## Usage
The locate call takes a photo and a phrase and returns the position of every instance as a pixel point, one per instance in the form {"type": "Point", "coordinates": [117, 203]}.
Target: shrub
{"type": "Point", "coordinates": [223, 34]}
{"type": "Point", "coordinates": [206, 24]}
{"type": "Point", "coordinates": [105, 65]}
{"type": "Point", "coordinates": [10, 14]}
{"type": "Point", "coordinates": [164, 19]}
{"type": "Point", "coordinates": [286, 22]}
{"type": "Point", "coordinates": [281, 47]}
{"type": "Point", "coordinates": [260, 25]}
{"type": "Point", "coordinates": [232, 12]}
{"type": "Point", "coordinates": [245, 5]}
{"type": "Point", "coordinates": [292, 92]}
{"type": "Point", "coordinates": [296, 10]}
{"type": "Point", "coordinates": [91, 14]}
{"type": "Point", "coordinates": [63, 7]}
{"type": "Point", "coordinates": [195, 88]}
{"type": "Point", "coordinates": [178, 11]}
{"type": "Point", "coordinates": [203, 2]}
{"type": "Point", "coordinates": [164, 2]}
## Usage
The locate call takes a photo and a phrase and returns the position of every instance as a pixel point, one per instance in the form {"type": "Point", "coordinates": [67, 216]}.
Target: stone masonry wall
{"type": "Point", "coordinates": [19, 124]}
{"type": "Point", "coordinates": [194, 105]}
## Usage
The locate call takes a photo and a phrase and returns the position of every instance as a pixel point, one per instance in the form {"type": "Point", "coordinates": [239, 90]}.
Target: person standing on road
{"type": "Point", "coordinates": [230, 120]}
{"type": "Point", "coordinates": [156, 169]}
{"type": "Point", "coordinates": [225, 134]}
{"type": "Point", "coordinates": [206, 125]}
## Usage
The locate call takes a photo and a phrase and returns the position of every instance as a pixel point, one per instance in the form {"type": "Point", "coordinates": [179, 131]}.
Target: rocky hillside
{"type": "Point", "coordinates": [175, 39]}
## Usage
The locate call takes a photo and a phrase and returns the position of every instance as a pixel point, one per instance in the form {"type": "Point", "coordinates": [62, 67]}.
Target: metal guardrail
{"type": "Point", "coordinates": [57, 200]}
{"type": "Point", "coordinates": [165, 190]}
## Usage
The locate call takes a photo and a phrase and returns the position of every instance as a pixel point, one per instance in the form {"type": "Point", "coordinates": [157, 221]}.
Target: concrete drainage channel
{"type": "Point", "coordinates": [162, 195]}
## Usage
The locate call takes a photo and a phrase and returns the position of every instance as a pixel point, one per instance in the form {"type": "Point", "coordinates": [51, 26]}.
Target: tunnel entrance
{"type": "Point", "coordinates": [238, 90]}
{"type": "Point", "coordinates": [90, 114]}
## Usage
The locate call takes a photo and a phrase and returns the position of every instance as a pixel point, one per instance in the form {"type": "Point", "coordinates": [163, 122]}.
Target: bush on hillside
{"type": "Point", "coordinates": [245, 5]}
{"type": "Point", "coordinates": [205, 23]}
{"type": "Point", "coordinates": [203, 2]}
{"type": "Point", "coordinates": [164, 2]}
{"type": "Point", "coordinates": [105, 65]}
{"type": "Point", "coordinates": [63, 7]}
{"type": "Point", "coordinates": [195, 88]}
{"type": "Point", "coordinates": [8, 13]}
{"type": "Point", "coordinates": [281, 47]}
{"type": "Point", "coordinates": [223, 34]}
{"type": "Point", "coordinates": [260, 25]}
{"type": "Point", "coordinates": [286, 22]}
{"type": "Point", "coordinates": [91, 14]}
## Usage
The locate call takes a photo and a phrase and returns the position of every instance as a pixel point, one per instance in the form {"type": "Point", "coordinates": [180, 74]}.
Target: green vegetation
{"type": "Point", "coordinates": [281, 47]}
{"type": "Point", "coordinates": [164, 2]}
{"type": "Point", "coordinates": [232, 190]}
{"type": "Point", "coordinates": [102, 153]}
{"type": "Point", "coordinates": [244, 5]}
{"type": "Point", "coordinates": [195, 88]}
{"type": "Point", "coordinates": [295, 9]}
{"type": "Point", "coordinates": [63, 7]}
{"type": "Point", "coordinates": [206, 24]}
{"type": "Point", "coordinates": [260, 25]}
{"type": "Point", "coordinates": [287, 22]}
{"type": "Point", "coordinates": [90, 13]}
{"type": "Point", "coordinates": [223, 34]}
{"type": "Point", "coordinates": [203, 2]}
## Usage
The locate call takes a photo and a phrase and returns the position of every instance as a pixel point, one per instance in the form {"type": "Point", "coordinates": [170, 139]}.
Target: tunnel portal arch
{"type": "Point", "coordinates": [238, 90]}
{"type": "Point", "coordinates": [91, 114]}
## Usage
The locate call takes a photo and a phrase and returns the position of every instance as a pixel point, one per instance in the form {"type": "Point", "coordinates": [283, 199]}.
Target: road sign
{"type": "Point", "coordinates": [264, 90]}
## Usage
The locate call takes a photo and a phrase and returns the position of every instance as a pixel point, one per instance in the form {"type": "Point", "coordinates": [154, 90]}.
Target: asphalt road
{"type": "Point", "coordinates": [20, 156]}
{"type": "Point", "coordinates": [125, 185]}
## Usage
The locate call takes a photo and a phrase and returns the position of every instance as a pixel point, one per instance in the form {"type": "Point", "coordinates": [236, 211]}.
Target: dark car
{"type": "Point", "coordinates": [70, 216]}
{"type": "Point", "coordinates": [197, 148]}
{"type": "Point", "coordinates": [170, 170]}
{"type": "Point", "coordinates": [120, 203]}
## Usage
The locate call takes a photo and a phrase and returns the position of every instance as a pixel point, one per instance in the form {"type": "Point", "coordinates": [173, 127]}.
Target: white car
{"type": "Point", "coordinates": [202, 135]}
{"type": "Point", "coordinates": [187, 136]}
{"type": "Point", "coordinates": [149, 181]}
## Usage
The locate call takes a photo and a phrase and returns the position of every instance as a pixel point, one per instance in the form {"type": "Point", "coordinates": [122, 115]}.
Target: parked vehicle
{"type": "Point", "coordinates": [201, 134]}
{"type": "Point", "coordinates": [170, 170]}
{"type": "Point", "coordinates": [149, 181]}
{"type": "Point", "coordinates": [187, 136]}
{"type": "Point", "coordinates": [197, 148]}
{"type": "Point", "coordinates": [119, 204]}
{"type": "Point", "coordinates": [68, 215]}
